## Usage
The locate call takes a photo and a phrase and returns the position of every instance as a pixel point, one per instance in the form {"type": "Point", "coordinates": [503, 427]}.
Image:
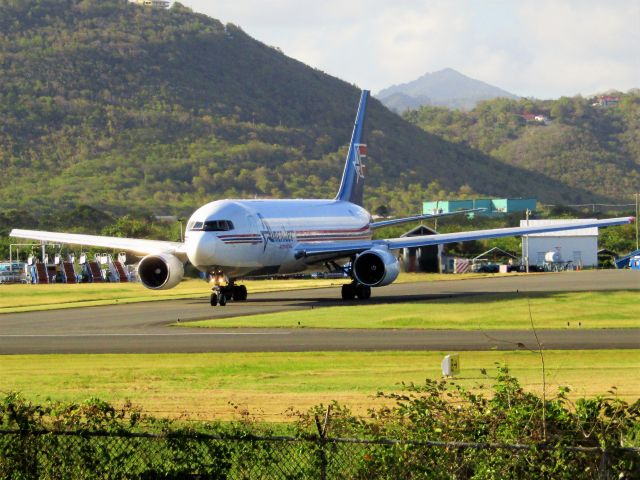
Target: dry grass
{"type": "Point", "coordinates": [215, 385]}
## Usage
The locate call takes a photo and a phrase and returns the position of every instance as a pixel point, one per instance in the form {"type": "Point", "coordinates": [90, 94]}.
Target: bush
{"type": "Point", "coordinates": [434, 430]}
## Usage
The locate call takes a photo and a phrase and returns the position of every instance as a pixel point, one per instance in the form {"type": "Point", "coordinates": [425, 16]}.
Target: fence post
{"type": "Point", "coordinates": [322, 435]}
{"type": "Point", "coordinates": [604, 466]}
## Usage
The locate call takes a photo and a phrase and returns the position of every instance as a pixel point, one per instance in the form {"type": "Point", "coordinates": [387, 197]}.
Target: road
{"type": "Point", "coordinates": [145, 327]}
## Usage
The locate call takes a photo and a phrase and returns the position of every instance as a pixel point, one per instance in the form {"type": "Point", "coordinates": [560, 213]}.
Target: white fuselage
{"type": "Point", "coordinates": [260, 237]}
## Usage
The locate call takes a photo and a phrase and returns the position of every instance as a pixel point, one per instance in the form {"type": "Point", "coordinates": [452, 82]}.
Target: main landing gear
{"type": "Point", "coordinates": [220, 295]}
{"type": "Point", "coordinates": [353, 290]}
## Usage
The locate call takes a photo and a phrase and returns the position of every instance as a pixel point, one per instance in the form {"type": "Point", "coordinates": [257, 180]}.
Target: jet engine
{"type": "Point", "coordinates": [160, 272]}
{"type": "Point", "coordinates": [376, 268]}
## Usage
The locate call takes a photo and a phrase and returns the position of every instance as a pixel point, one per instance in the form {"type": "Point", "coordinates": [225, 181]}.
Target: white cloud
{"type": "Point", "coordinates": [544, 48]}
{"type": "Point", "coordinates": [582, 47]}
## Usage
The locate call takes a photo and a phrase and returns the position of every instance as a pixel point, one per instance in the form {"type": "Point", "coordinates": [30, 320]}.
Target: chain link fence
{"type": "Point", "coordinates": [89, 455]}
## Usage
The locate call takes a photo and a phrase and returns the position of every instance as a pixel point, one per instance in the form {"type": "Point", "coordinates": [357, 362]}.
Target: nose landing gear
{"type": "Point", "coordinates": [223, 293]}
{"type": "Point", "coordinates": [218, 297]}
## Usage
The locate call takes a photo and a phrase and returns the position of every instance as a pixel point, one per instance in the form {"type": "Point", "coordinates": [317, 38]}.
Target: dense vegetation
{"type": "Point", "coordinates": [582, 144]}
{"type": "Point", "coordinates": [140, 223]}
{"type": "Point", "coordinates": [442, 430]}
{"type": "Point", "coordinates": [115, 106]}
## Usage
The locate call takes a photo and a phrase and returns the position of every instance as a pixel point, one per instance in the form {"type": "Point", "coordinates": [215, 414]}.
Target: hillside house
{"type": "Point", "coordinates": [606, 101]}
{"type": "Point", "coordinates": [534, 117]}
{"type": "Point", "coordinates": [153, 3]}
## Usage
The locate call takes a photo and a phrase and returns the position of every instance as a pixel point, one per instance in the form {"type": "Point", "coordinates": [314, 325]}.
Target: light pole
{"type": "Point", "coordinates": [637, 195]}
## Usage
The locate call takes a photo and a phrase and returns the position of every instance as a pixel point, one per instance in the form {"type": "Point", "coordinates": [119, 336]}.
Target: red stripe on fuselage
{"type": "Point", "coordinates": [310, 236]}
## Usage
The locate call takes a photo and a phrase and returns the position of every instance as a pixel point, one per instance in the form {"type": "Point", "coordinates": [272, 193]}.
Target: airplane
{"type": "Point", "coordinates": [229, 240]}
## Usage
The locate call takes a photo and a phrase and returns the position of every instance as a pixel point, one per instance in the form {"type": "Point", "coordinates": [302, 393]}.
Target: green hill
{"type": "Point", "coordinates": [582, 144]}
{"type": "Point", "coordinates": [119, 107]}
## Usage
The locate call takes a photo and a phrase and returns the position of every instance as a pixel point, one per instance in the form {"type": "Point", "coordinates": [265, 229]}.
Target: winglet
{"type": "Point", "coordinates": [351, 187]}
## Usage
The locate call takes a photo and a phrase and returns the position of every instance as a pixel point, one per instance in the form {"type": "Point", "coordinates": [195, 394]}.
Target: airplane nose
{"type": "Point", "coordinates": [201, 248]}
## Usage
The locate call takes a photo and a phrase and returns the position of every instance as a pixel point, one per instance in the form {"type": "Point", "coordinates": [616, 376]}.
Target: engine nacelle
{"type": "Point", "coordinates": [376, 268]}
{"type": "Point", "coordinates": [160, 272]}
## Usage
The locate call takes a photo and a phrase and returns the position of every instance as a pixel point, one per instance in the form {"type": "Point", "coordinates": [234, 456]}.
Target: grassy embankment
{"type": "Point", "coordinates": [25, 298]}
{"type": "Point", "coordinates": [614, 309]}
{"type": "Point", "coordinates": [266, 384]}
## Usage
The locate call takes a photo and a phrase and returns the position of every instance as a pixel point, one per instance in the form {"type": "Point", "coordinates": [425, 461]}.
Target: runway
{"type": "Point", "coordinates": [144, 327]}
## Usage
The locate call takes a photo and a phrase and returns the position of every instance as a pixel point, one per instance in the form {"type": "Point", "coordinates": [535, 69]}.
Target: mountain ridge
{"type": "Point", "coordinates": [445, 88]}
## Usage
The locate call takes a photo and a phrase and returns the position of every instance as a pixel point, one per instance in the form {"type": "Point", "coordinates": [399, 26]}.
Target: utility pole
{"type": "Point", "coordinates": [526, 240]}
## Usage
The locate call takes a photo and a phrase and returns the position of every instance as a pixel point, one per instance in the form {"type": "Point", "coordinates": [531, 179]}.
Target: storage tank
{"type": "Point", "coordinates": [552, 257]}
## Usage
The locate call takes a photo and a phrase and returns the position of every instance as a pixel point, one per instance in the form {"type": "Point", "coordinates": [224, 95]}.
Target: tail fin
{"type": "Point", "coordinates": [351, 187]}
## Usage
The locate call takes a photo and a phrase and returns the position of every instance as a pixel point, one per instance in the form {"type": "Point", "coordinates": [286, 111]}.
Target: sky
{"type": "Point", "coordinates": [533, 48]}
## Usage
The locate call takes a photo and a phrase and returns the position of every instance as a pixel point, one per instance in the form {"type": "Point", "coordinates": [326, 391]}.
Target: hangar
{"type": "Point", "coordinates": [579, 247]}
{"type": "Point", "coordinates": [422, 259]}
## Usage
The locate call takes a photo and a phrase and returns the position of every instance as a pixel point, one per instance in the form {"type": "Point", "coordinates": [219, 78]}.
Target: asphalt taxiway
{"type": "Point", "coordinates": [145, 327]}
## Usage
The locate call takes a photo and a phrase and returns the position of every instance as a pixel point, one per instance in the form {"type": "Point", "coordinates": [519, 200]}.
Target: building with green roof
{"type": "Point", "coordinates": [492, 206]}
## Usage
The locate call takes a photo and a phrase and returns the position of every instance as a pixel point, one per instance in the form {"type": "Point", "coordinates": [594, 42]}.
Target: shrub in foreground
{"type": "Point", "coordinates": [433, 430]}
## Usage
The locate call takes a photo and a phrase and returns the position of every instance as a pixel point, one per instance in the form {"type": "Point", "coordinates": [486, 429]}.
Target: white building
{"type": "Point", "coordinates": [577, 246]}
{"type": "Point", "coordinates": [153, 3]}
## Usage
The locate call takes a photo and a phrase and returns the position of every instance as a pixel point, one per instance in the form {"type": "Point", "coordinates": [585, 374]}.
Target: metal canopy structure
{"type": "Point", "coordinates": [498, 250]}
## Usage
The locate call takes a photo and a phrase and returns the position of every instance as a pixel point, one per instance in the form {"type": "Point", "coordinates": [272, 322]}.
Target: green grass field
{"type": "Point", "coordinates": [211, 385]}
{"type": "Point", "coordinates": [616, 309]}
{"type": "Point", "coordinates": [26, 298]}
{"type": "Point", "coordinates": [203, 386]}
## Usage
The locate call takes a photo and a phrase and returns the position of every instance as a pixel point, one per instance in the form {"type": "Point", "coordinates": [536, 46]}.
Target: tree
{"type": "Point", "coordinates": [382, 211]}
{"type": "Point", "coordinates": [127, 226]}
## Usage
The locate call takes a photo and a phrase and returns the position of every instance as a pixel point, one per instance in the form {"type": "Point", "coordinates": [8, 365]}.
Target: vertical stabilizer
{"type": "Point", "coordinates": [351, 187]}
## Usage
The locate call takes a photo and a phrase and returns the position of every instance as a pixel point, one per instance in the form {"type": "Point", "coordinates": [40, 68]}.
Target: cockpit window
{"type": "Point", "coordinates": [218, 225]}
{"type": "Point", "coordinates": [195, 225]}
{"type": "Point", "coordinates": [211, 225]}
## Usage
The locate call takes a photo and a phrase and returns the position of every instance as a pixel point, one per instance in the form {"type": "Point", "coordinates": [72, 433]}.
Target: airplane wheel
{"type": "Point", "coordinates": [363, 292]}
{"type": "Point", "coordinates": [214, 299]}
{"type": "Point", "coordinates": [240, 293]}
{"type": "Point", "coordinates": [348, 292]}
{"type": "Point", "coordinates": [222, 299]}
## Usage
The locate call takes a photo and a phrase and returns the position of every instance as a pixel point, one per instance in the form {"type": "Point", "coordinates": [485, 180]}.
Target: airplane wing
{"type": "Point", "coordinates": [134, 245]}
{"type": "Point", "coordinates": [425, 240]}
{"type": "Point", "coordinates": [426, 216]}
{"type": "Point", "coordinates": [329, 250]}
{"type": "Point", "coordinates": [337, 249]}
